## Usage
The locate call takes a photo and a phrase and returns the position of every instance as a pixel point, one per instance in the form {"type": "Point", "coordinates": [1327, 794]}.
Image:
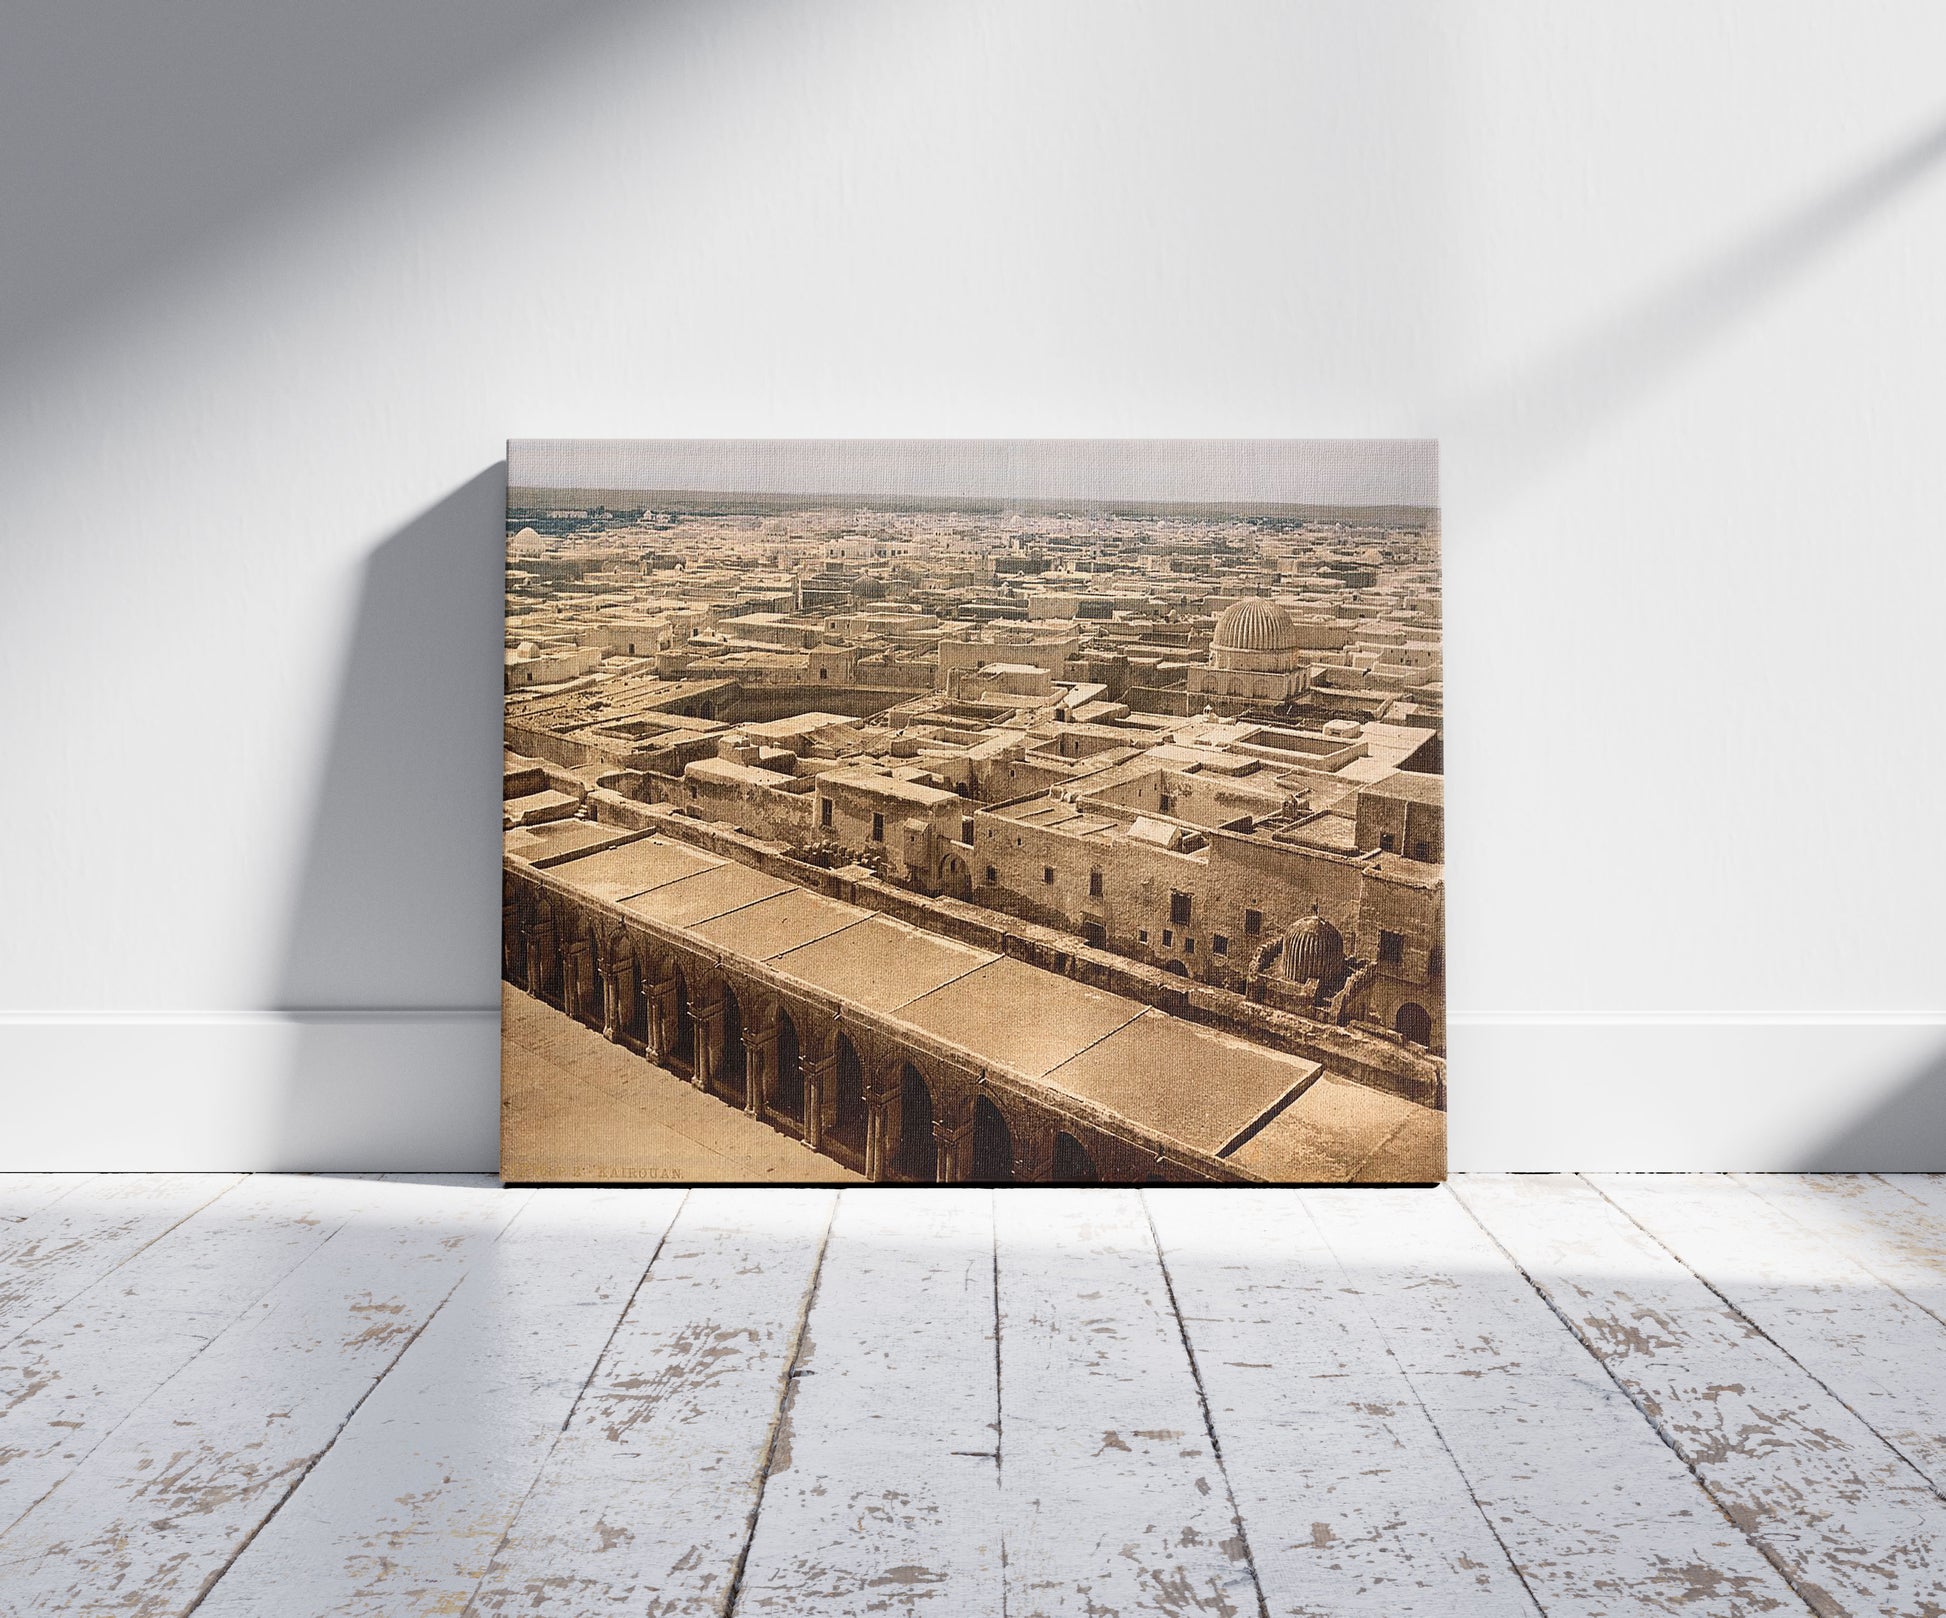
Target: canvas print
{"type": "Point", "coordinates": [989, 813]}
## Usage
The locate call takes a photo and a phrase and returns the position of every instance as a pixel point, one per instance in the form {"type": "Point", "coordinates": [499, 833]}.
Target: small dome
{"type": "Point", "coordinates": [1255, 625]}
{"type": "Point", "coordinates": [1313, 950]}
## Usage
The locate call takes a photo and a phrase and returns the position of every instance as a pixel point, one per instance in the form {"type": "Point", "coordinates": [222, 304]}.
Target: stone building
{"type": "Point", "coordinates": [1256, 660]}
{"type": "Point", "coordinates": [1404, 814]}
{"type": "Point", "coordinates": [917, 829]}
{"type": "Point", "coordinates": [1207, 901]}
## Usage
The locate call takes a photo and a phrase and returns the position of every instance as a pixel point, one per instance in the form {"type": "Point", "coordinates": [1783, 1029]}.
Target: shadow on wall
{"type": "Point", "coordinates": [1548, 410]}
{"type": "Point", "coordinates": [1905, 1133]}
{"type": "Point", "coordinates": [391, 969]}
{"type": "Point", "coordinates": [134, 138]}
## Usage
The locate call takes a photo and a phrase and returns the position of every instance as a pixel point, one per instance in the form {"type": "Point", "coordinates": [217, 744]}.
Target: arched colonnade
{"type": "Point", "coordinates": [831, 1076]}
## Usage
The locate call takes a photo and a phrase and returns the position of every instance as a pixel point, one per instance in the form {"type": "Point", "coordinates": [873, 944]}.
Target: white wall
{"type": "Point", "coordinates": [279, 281]}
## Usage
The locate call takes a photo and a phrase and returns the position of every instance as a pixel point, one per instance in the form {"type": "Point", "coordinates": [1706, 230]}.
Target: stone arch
{"type": "Point", "coordinates": [513, 932]}
{"type": "Point", "coordinates": [658, 965]}
{"type": "Point", "coordinates": [622, 1009]}
{"type": "Point", "coordinates": [787, 1086]}
{"type": "Point", "coordinates": [1072, 1164]}
{"type": "Point", "coordinates": [993, 1144]}
{"type": "Point", "coordinates": [542, 949]}
{"type": "Point", "coordinates": [580, 989]}
{"type": "Point", "coordinates": [1178, 968]}
{"type": "Point", "coordinates": [759, 1005]}
{"type": "Point", "coordinates": [848, 1096]}
{"type": "Point", "coordinates": [955, 881]}
{"type": "Point", "coordinates": [707, 984]}
{"type": "Point", "coordinates": [1413, 1023]}
{"type": "Point", "coordinates": [682, 1036]}
{"type": "Point", "coordinates": [729, 1076]}
{"type": "Point", "coordinates": [916, 1157]}
{"type": "Point", "coordinates": [818, 1031]}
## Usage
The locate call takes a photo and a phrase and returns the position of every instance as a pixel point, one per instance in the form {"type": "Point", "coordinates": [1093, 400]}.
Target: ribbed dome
{"type": "Point", "coordinates": [1313, 949]}
{"type": "Point", "coordinates": [1255, 625]}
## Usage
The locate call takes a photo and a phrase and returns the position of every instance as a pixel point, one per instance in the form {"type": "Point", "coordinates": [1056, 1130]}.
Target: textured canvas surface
{"type": "Point", "coordinates": [994, 812]}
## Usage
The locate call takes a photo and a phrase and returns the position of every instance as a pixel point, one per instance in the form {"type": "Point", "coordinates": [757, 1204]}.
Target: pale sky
{"type": "Point", "coordinates": [1324, 471]}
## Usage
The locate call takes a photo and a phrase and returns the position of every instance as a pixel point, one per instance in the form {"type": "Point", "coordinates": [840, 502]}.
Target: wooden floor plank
{"type": "Point", "coordinates": [148, 1521]}
{"type": "Point", "coordinates": [320, 1396]}
{"type": "Point", "coordinates": [645, 1503]}
{"type": "Point", "coordinates": [23, 1194]}
{"type": "Point", "coordinates": [63, 1247]}
{"type": "Point", "coordinates": [1597, 1513]}
{"type": "Point", "coordinates": [403, 1514]}
{"type": "Point", "coordinates": [883, 1495]}
{"type": "Point", "coordinates": [71, 1379]}
{"type": "Point", "coordinates": [1112, 1497]}
{"type": "Point", "coordinates": [1928, 1189]}
{"type": "Point", "coordinates": [1350, 1500]}
{"type": "Point", "coordinates": [1894, 1225]}
{"type": "Point", "coordinates": [1875, 1350]}
{"type": "Point", "coordinates": [1852, 1524]}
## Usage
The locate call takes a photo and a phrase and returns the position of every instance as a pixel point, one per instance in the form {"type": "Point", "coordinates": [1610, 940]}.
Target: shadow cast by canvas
{"type": "Point", "coordinates": [392, 940]}
{"type": "Point", "coordinates": [1904, 1134]}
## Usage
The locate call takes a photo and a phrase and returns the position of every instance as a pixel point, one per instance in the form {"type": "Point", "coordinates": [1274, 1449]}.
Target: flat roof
{"type": "Point", "coordinates": [554, 840]}
{"type": "Point", "coordinates": [723, 769]}
{"type": "Point", "coordinates": [1024, 1018]}
{"type": "Point", "coordinates": [621, 873]}
{"type": "Point", "coordinates": [1058, 814]}
{"type": "Point", "coordinates": [1272, 1115]}
{"type": "Point", "coordinates": [656, 689]}
{"type": "Point", "coordinates": [1338, 1130]}
{"type": "Point", "coordinates": [798, 725]}
{"type": "Point", "coordinates": [1044, 812]}
{"type": "Point", "coordinates": [872, 783]}
{"type": "Point", "coordinates": [1405, 785]}
{"type": "Point", "coordinates": [779, 923]}
{"type": "Point", "coordinates": [1187, 1083]}
{"type": "Point", "coordinates": [880, 964]}
{"type": "Point", "coordinates": [709, 893]}
{"type": "Point", "coordinates": [530, 802]}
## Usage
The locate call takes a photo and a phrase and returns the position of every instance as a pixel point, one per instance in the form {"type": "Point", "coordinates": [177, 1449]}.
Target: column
{"type": "Point", "coordinates": [540, 950]}
{"type": "Point", "coordinates": [878, 1135]}
{"type": "Point", "coordinates": [623, 981]}
{"type": "Point", "coordinates": [662, 1018]}
{"type": "Point", "coordinates": [709, 1042]}
{"type": "Point", "coordinates": [611, 1017]}
{"type": "Point", "coordinates": [954, 1139]}
{"type": "Point", "coordinates": [1034, 1156]}
{"type": "Point", "coordinates": [820, 1091]}
{"type": "Point", "coordinates": [577, 968]}
{"type": "Point", "coordinates": [759, 1069]}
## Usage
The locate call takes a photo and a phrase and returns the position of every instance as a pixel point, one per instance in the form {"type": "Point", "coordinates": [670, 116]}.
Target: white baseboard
{"type": "Point", "coordinates": [415, 1090]}
{"type": "Point", "coordinates": [1759, 1093]}
{"type": "Point", "coordinates": [419, 1090]}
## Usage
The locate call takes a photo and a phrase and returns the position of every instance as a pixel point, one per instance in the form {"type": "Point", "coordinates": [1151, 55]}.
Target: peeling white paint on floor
{"type": "Point", "coordinates": [234, 1395]}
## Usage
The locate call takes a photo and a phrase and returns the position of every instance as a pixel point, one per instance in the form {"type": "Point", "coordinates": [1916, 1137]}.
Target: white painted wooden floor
{"type": "Point", "coordinates": [1606, 1395]}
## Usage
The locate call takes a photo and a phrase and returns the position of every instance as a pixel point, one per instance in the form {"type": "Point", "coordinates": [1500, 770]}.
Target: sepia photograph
{"type": "Point", "coordinates": [973, 813]}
